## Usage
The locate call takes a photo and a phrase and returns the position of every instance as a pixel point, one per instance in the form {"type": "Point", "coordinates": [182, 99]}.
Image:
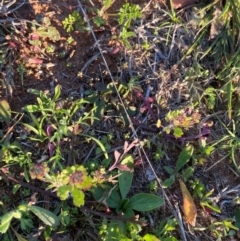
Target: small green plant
{"type": "Point", "coordinates": [70, 40]}
{"type": "Point", "coordinates": [231, 142]}
{"type": "Point", "coordinates": [198, 188]}
{"type": "Point", "coordinates": [126, 15]}
{"type": "Point", "coordinates": [165, 228]}
{"type": "Point", "coordinates": [42, 32]}
{"type": "Point", "coordinates": [74, 21]}
{"type": "Point", "coordinates": [56, 122]}
{"type": "Point", "coordinates": [222, 229]}
{"type": "Point", "coordinates": [108, 195]}
{"type": "Point", "coordinates": [50, 49]}
{"type": "Point", "coordinates": [179, 120]}
{"type": "Point", "coordinates": [46, 216]}
{"type": "Point", "coordinates": [199, 191]}
{"type": "Point", "coordinates": [123, 205]}
{"type": "Point", "coordinates": [72, 180]}
{"type": "Point", "coordinates": [21, 70]}
{"type": "Point", "coordinates": [183, 158]}
{"type": "Point", "coordinates": [158, 154]}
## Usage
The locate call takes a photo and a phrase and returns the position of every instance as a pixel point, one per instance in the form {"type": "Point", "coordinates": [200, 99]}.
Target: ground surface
{"type": "Point", "coordinates": [76, 69]}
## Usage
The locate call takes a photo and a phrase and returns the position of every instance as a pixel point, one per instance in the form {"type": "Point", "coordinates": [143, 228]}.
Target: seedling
{"type": "Point", "coordinates": [21, 70]}
{"type": "Point", "coordinates": [184, 157]}
{"type": "Point", "coordinates": [126, 15]}
{"type": "Point", "coordinates": [165, 229]}
{"type": "Point", "coordinates": [74, 21]}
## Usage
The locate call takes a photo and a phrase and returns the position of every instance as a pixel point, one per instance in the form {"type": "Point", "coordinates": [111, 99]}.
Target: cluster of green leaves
{"type": "Point", "coordinates": [46, 30]}
{"type": "Point", "coordinates": [21, 213]}
{"type": "Point", "coordinates": [72, 180]}
{"type": "Point", "coordinates": [128, 13]}
{"type": "Point", "coordinates": [74, 21]}
{"type": "Point", "coordinates": [109, 196]}
{"type": "Point", "coordinates": [50, 121]}
{"type": "Point", "coordinates": [183, 158]}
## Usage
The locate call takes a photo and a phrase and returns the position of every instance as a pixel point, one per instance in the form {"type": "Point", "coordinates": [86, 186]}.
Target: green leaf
{"type": "Point", "coordinates": [26, 174]}
{"type": "Point", "coordinates": [46, 216]}
{"type": "Point", "coordinates": [125, 182]}
{"type": "Point", "coordinates": [114, 199]}
{"type": "Point", "coordinates": [31, 128]}
{"type": "Point", "coordinates": [78, 197]}
{"type": "Point", "coordinates": [57, 92]}
{"type": "Point", "coordinates": [5, 221]}
{"type": "Point", "coordinates": [169, 182]}
{"type": "Point", "coordinates": [34, 91]}
{"type": "Point", "coordinates": [122, 205]}
{"type": "Point", "coordinates": [107, 4]}
{"type": "Point", "coordinates": [99, 143]}
{"type": "Point", "coordinates": [184, 157]}
{"type": "Point", "coordinates": [98, 113]}
{"type": "Point", "coordinates": [128, 160]}
{"type": "Point", "coordinates": [116, 230]}
{"type": "Point", "coordinates": [169, 170]}
{"type": "Point", "coordinates": [145, 202]}
{"type": "Point", "coordinates": [99, 192]}
{"type": "Point", "coordinates": [15, 188]}
{"type": "Point", "coordinates": [5, 111]}
{"type": "Point", "coordinates": [177, 132]}
{"type": "Point", "coordinates": [187, 173]}
{"type": "Point", "coordinates": [171, 239]}
{"type": "Point", "coordinates": [210, 206]}
{"type": "Point", "coordinates": [63, 192]}
{"type": "Point", "coordinates": [128, 213]}
{"type": "Point", "coordinates": [150, 237]}
{"type": "Point", "coordinates": [31, 108]}
{"type": "Point", "coordinates": [17, 214]}
{"type": "Point", "coordinates": [99, 21]}
{"type": "Point", "coordinates": [53, 34]}
{"type": "Point", "coordinates": [26, 224]}
{"type": "Point", "coordinates": [229, 98]}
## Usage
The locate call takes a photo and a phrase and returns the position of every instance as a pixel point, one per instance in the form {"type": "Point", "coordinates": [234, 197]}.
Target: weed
{"type": "Point", "coordinates": [21, 70]}
{"type": "Point", "coordinates": [56, 123]}
{"type": "Point", "coordinates": [165, 228]}
{"type": "Point", "coordinates": [127, 14]}
{"type": "Point", "coordinates": [184, 157]}
{"type": "Point", "coordinates": [180, 119]}
{"type": "Point", "coordinates": [74, 21]}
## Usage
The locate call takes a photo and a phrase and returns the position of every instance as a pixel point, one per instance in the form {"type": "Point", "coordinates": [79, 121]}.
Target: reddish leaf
{"type": "Point", "coordinates": [115, 50]}
{"type": "Point", "coordinates": [12, 44]}
{"type": "Point", "coordinates": [123, 167]}
{"type": "Point", "coordinates": [49, 130]}
{"type": "Point", "coordinates": [34, 36]}
{"type": "Point", "coordinates": [35, 49]}
{"type": "Point", "coordinates": [117, 155]}
{"type": "Point", "coordinates": [189, 207]}
{"type": "Point", "coordinates": [35, 61]}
